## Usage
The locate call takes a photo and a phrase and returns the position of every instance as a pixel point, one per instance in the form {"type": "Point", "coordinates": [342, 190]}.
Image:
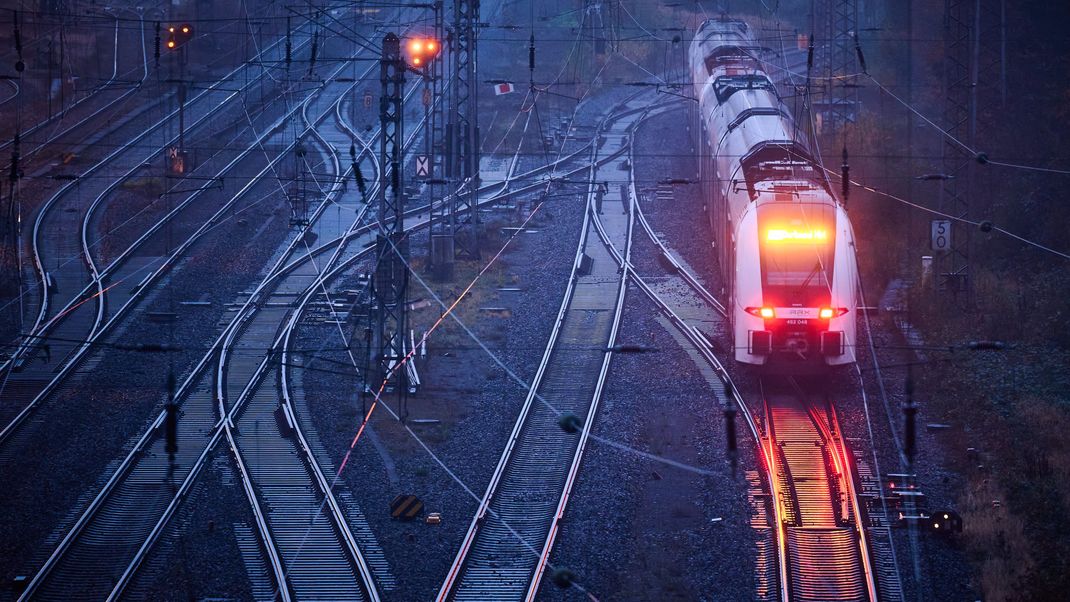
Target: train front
{"type": "Point", "coordinates": [795, 304]}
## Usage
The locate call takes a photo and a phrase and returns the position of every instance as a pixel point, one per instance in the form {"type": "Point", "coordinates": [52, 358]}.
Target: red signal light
{"type": "Point", "coordinates": [766, 312]}
{"type": "Point", "coordinates": [827, 313]}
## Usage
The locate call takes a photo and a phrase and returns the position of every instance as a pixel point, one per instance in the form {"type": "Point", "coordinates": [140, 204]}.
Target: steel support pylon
{"type": "Point", "coordinates": [463, 130]}
{"type": "Point", "coordinates": [835, 26]}
{"type": "Point", "coordinates": [391, 276]}
{"type": "Point", "coordinates": [441, 249]}
{"type": "Point", "coordinates": [971, 56]}
{"type": "Point", "coordinates": [843, 108]}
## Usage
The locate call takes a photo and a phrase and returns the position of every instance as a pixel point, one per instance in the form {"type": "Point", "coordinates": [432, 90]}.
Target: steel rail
{"type": "Point", "coordinates": [187, 484]}
{"type": "Point", "coordinates": [226, 425]}
{"type": "Point", "coordinates": [340, 526]}
{"type": "Point", "coordinates": [461, 560]}
{"type": "Point", "coordinates": [834, 435]}
{"type": "Point", "coordinates": [840, 475]}
{"type": "Point", "coordinates": [184, 390]}
{"type": "Point", "coordinates": [28, 343]}
{"type": "Point", "coordinates": [143, 443]}
{"type": "Point", "coordinates": [581, 446]}
{"type": "Point", "coordinates": [700, 342]}
{"type": "Point", "coordinates": [96, 330]}
{"type": "Point", "coordinates": [106, 85]}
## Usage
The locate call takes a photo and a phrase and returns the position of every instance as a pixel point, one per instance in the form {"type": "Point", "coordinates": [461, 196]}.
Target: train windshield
{"type": "Point", "coordinates": [797, 240]}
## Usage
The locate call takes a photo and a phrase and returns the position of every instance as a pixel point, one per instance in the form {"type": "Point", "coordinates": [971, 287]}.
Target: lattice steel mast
{"type": "Point", "coordinates": [390, 279]}
{"type": "Point", "coordinates": [463, 129]}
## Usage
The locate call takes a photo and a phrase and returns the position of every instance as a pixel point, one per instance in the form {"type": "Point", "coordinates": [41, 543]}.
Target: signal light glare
{"type": "Point", "coordinates": [777, 235]}
{"type": "Point", "coordinates": [416, 61]}
{"type": "Point", "coordinates": [170, 43]}
{"type": "Point", "coordinates": [185, 29]}
{"type": "Point", "coordinates": [171, 29]}
{"type": "Point", "coordinates": [416, 46]}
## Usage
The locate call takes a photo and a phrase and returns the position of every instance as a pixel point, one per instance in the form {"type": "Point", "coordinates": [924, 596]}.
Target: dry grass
{"type": "Point", "coordinates": [996, 539]}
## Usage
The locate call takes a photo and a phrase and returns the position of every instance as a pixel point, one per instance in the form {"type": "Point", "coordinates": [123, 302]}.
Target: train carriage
{"type": "Point", "coordinates": [783, 241]}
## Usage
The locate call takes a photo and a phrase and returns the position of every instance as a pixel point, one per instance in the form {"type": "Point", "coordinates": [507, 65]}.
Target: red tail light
{"type": "Point", "coordinates": [827, 313]}
{"type": "Point", "coordinates": [762, 312]}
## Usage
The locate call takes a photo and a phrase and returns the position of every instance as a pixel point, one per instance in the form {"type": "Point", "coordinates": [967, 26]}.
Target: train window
{"type": "Point", "coordinates": [754, 112]}
{"type": "Point", "coordinates": [723, 54]}
{"type": "Point", "coordinates": [779, 160]}
{"type": "Point", "coordinates": [727, 85]}
{"type": "Point", "coordinates": [796, 241]}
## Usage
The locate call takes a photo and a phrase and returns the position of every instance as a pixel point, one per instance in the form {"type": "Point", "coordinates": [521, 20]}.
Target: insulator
{"type": "Point", "coordinates": [570, 423]}
{"type": "Point", "coordinates": [17, 35]}
{"type": "Point", "coordinates": [845, 179]}
{"type": "Point", "coordinates": [909, 414]}
{"type": "Point", "coordinates": [531, 53]}
{"type": "Point", "coordinates": [562, 577]}
{"type": "Point", "coordinates": [858, 51]}
{"type": "Point", "coordinates": [15, 158]}
{"type": "Point", "coordinates": [289, 43]}
{"type": "Point", "coordinates": [730, 426]}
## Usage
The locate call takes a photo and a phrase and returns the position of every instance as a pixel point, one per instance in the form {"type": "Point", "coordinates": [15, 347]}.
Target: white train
{"type": "Point", "coordinates": [783, 241]}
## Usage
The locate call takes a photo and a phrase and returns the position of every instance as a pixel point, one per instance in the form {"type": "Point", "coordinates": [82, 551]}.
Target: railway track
{"type": "Point", "coordinates": [57, 267]}
{"type": "Point", "coordinates": [202, 415]}
{"type": "Point", "coordinates": [142, 469]}
{"type": "Point", "coordinates": [507, 545]}
{"type": "Point", "coordinates": [73, 331]}
{"type": "Point", "coordinates": [822, 550]}
{"type": "Point", "coordinates": [103, 100]}
{"type": "Point", "coordinates": [823, 547]}
{"type": "Point", "coordinates": [276, 452]}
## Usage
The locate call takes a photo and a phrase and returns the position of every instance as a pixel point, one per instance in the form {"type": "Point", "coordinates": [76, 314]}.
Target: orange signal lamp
{"type": "Point", "coordinates": [185, 29]}
{"type": "Point", "coordinates": [171, 29]}
{"type": "Point", "coordinates": [170, 43]}
{"type": "Point", "coordinates": [416, 61]}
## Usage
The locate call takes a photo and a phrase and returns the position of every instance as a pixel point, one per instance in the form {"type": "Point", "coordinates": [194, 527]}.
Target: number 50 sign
{"type": "Point", "coordinates": [941, 235]}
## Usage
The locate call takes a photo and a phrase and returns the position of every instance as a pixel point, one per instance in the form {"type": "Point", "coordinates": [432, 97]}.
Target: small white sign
{"type": "Point", "coordinates": [423, 166]}
{"type": "Point", "coordinates": [941, 235]}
